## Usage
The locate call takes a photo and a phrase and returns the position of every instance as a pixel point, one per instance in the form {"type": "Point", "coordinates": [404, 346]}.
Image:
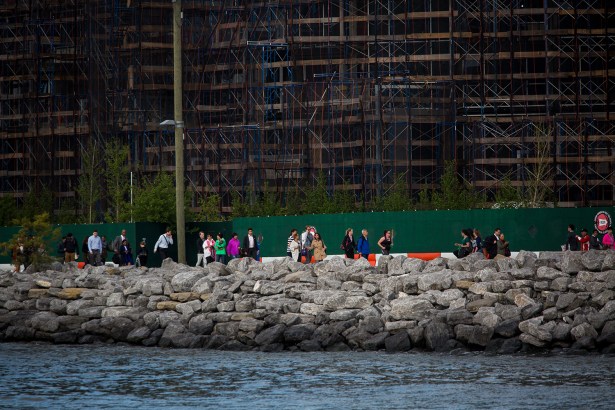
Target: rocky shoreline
{"type": "Point", "coordinates": [560, 300]}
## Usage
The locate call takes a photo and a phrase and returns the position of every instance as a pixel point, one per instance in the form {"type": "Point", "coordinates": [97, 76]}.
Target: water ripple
{"type": "Point", "coordinates": [47, 376]}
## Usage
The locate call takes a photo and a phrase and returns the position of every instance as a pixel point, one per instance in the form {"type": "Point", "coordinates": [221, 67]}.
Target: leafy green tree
{"type": "Point", "coordinates": [89, 186]}
{"type": "Point", "coordinates": [424, 200]}
{"type": "Point", "coordinates": [8, 210]}
{"type": "Point", "coordinates": [268, 203]}
{"type": "Point", "coordinates": [154, 201]}
{"type": "Point", "coordinates": [37, 202]}
{"type": "Point", "coordinates": [397, 198]}
{"type": "Point", "coordinates": [239, 207]}
{"type": "Point", "coordinates": [294, 199]}
{"type": "Point", "coordinates": [66, 213]}
{"type": "Point", "coordinates": [210, 209]}
{"type": "Point", "coordinates": [343, 200]}
{"type": "Point", "coordinates": [541, 170]}
{"type": "Point", "coordinates": [117, 178]}
{"type": "Point", "coordinates": [31, 242]}
{"type": "Point", "coordinates": [316, 199]}
{"type": "Point", "coordinates": [508, 195]}
{"type": "Point", "coordinates": [454, 193]}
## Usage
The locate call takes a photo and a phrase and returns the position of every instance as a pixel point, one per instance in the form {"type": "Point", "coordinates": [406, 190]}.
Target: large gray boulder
{"type": "Point", "coordinates": [410, 308]}
{"type": "Point", "coordinates": [437, 336]}
{"type": "Point", "coordinates": [435, 280]}
{"type": "Point", "coordinates": [183, 281]}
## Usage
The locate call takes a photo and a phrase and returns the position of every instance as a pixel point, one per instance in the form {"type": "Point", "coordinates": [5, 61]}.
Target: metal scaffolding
{"type": "Point", "coordinates": [275, 93]}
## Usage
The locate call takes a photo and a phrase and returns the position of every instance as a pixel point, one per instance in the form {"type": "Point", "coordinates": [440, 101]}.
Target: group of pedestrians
{"type": "Point", "coordinates": [307, 246]}
{"type": "Point", "coordinates": [95, 250]}
{"type": "Point", "coordinates": [585, 242]}
{"type": "Point", "coordinates": [310, 244]}
{"type": "Point", "coordinates": [492, 246]}
{"type": "Point", "coordinates": [219, 250]}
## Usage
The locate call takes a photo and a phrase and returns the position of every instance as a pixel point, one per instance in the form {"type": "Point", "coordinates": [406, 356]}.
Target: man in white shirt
{"type": "Point", "coordinates": [94, 248]}
{"type": "Point", "coordinates": [163, 243]}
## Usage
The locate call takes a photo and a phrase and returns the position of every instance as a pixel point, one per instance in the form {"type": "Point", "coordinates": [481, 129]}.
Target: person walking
{"type": "Point", "coordinates": [289, 241]}
{"type": "Point", "coordinates": [608, 241]}
{"type": "Point", "coordinates": [319, 248]}
{"type": "Point", "coordinates": [503, 246]}
{"type": "Point", "coordinates": [249, 244]}
{"type": "Point", "coordinates": [594, 241]}
{"type": "Point", "coordinates": [200, 260]}
{"type": "Point", "coordinates": [105, 249]}
{"type": "Point", "coordinates": [490, 247]}
{"type": "Point", "coordinates": [162, 244]}
{"type": "Point", "coordinates": [208, 249]}
{"type": "Point", "coordinates": [117, 245]}
{"type": "Point", "coordinates": [220, 248]}
{"type": "Point", "coordinates": [85, 251]}
{"type": "Point", "coordinates": [94, 248]}
{"type": "Point", "coordinates": [584, 240]}
{"type": "Point", "coordinates": [233, 247]}
{"type": "Point", "coordinates": [349, 245]}
{"type": "Point", "coordinates": [385, 242]}
{"type": "Point", "coordinates": [142, 254]}
{"type": "Point", "coordinates": [363, 244]}
{"type": "Point", "coordinates": [126, 252]}
{"type": "Point", "coordinates": [70, 248]}
{"type": "Point", "coordinates": [306, 241]}
{"type": "Point", "coordinates": [465, 247]}
{"type": "Point", "coordinates": [477, 242]}
{"type": "Point", "coordinates": [572, 243]}
{"type": "Point", "coordinates": [295, 247]}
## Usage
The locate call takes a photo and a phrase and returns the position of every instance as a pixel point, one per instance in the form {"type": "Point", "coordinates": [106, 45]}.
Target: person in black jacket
{"type": "Point", "coordinates": [572, 243]}
{"type": "Point", "coordinates": [594, 241]}
{"type": "Point", "coordinates": [70, 248]}
{"type": "Point", "coordinates": [249, 245]}
{"type": "Point", "coordinates": [490, 244]}
{"type": "Point", "coordinates": [200, 260]}
{"type": "Point", "coordinates": [348, 244]}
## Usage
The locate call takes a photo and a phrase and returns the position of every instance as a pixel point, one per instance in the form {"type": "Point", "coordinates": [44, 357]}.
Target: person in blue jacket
{"type": "Point", "coordinates": [363, 244]}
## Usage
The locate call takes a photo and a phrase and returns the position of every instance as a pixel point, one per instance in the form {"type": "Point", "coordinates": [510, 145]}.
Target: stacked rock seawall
{"type": "Point", "coordinates": [559, 300]}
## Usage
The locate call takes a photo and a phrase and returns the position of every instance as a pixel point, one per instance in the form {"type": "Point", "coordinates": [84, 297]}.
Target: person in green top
{"type": "Point", "coordinates": [220, 248]}
{"type": "Point", "coordinates": [465, 247]}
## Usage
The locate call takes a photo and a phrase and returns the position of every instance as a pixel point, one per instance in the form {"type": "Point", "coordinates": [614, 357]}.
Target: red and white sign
{"type": "Point", "coordinates": [602, 221]}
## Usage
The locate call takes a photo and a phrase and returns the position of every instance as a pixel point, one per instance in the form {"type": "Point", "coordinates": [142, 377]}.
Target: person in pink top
{"type": "Point", "coordinates": [608, 242]}
{"type": "Point", "coordinates": [232, 249]}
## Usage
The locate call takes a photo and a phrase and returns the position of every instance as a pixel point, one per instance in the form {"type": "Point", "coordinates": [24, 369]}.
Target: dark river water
{"type": "Point", "coordinates": [109, 376]}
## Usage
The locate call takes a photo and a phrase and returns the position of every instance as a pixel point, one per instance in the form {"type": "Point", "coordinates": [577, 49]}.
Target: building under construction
{"type": "Point", "coordinates": [276, 92]}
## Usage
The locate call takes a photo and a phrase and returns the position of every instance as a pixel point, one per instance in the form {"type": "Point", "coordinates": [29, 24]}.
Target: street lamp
{"type": "Point", "coordinates": [178, 123]}
{"type": "Point", "coordinates": [179, 186]}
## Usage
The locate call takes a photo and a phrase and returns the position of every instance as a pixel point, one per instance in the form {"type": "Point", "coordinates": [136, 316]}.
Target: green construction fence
{"type": "Point", "coordinates": [414, 231]}
{"type": "Point", "coordinates": [427, 231]}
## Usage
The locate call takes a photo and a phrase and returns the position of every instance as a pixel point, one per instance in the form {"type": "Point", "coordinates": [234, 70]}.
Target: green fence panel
{"type": "Point", "coordinates": [414, 231]}
{"type": "Point", "coordinates": [135, 232]}
{"type": "Point", "coordinates": [427, 231]}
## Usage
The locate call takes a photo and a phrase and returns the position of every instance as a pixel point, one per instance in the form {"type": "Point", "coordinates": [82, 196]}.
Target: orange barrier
{"type": "Point", "coordinates": [426, 256]}
{"type": "Point", "coordinates": [80, 265]}
{"type": "Point", "coordinates": [371, 258]}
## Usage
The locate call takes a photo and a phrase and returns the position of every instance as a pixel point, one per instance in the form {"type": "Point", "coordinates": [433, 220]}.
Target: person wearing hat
{"type": "Point", "coordinates": [584, 240]}
{"type": "Point", "coordinates": [594, 241]}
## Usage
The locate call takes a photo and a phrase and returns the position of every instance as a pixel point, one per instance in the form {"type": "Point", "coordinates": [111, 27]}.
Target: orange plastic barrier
{"type": "Point", "coordinates": [371, 258]}
{"type": "Point", "coordinates": [426, 256]}
{"type": "Point", "coordinates": [80, 265]}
